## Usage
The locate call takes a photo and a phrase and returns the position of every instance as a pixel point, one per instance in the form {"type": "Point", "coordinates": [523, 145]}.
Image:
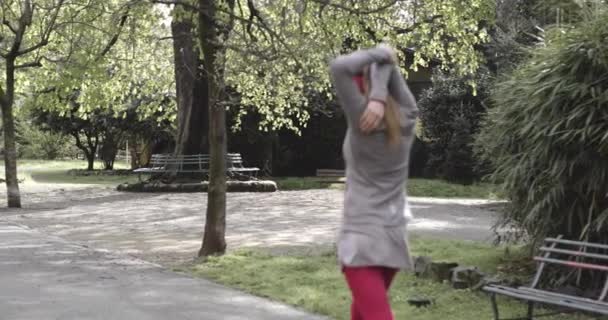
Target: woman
{"type": "Point", "coordinates": [381, 113]}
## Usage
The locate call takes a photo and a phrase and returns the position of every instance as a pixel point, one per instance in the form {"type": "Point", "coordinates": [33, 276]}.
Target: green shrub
{"type": "Point", "coordinates": [547, 136]}
{"type": "Point", "coordinates": [34, 143]}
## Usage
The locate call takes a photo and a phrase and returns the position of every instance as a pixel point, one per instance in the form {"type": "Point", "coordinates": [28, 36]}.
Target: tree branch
{"type": "Point", "coordinates": [46, 34]}
{"type": "Point", "coordinates": [9, 25]}
{"type": "Point", "coordinates": [114, 39]}
{"type": "Point", "coordinates": [413, 27]}
{"type": "Point", "coordinates": [326, 3]}
{"type": "Point", "coordinates": [20, 30]}
{"type": "Point", "coordinates": [166, 38]}
{"type": "Point", "coordinates": [272, 33]}
{"type": "Point", "coordinates": [79, 143]}
{"type": "Point", "coordinates": [96, 142]}
{"type": "Point", "coordinates": [37, 46]}
{"type": "Point", "coordinates": [228, 27]}
{"type": "Point", "coordinates": [180, 3]}
{"type": "Point", "coordinates": [246, 51]}
{"type": "Point", "coordinates": [88, 134]}
{"type": "Point", "coordinates": [29, 65]}
{"type": "Point", "coordinates": [253, 13]}
{"type": "Point", "coordinates": [88, 151]}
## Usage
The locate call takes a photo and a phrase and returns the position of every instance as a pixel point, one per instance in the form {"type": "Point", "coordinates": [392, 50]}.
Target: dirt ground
{"type": "Point", "coordinates": [167, 228]}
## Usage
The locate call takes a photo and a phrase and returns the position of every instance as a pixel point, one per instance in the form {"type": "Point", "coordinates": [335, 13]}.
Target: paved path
{"type": "Point", "coordinates": [167, 228]}
{"type": "Point", "coordinates": [44, 277]}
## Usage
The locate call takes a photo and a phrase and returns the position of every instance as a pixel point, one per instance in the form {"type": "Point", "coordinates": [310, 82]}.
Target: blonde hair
{"type": "Point", "coordinates": [391, 118]}
{"type": "Point", "coordinates": [391, 113]}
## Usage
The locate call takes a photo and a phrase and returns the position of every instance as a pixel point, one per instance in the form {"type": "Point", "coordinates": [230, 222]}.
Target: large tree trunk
{"type": "Point", "coordinates": [10, 150]}
{"type": "Point", "coordinates": [214, 242]}
{"type": "Point", "coordinates": [90, 160]}
{"type": "Point", "coordinates": [192, 91]}
{"type": "Point", "coordinates": [210, 29]}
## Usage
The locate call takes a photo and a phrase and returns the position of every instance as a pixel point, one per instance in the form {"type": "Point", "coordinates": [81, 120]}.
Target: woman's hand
{"type": "Point", "coordinates": [392, 53]}
{"type": "Point", "coordinates": [372, 116]}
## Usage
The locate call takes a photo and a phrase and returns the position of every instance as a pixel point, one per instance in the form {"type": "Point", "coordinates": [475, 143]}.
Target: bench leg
{"type": "Point", "coordinates": [530, 310]}
{"type": "Point", "coordinates": [494, 306]}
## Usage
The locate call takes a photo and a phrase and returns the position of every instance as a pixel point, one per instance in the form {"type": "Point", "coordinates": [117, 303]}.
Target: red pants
{"type": "Point", "coordinates": [369, 287]}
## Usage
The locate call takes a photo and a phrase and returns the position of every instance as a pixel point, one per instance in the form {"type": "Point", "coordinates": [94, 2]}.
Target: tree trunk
{"type": "Point", "coordinates": [214, 242]}
{"type": "Point", "coordinates": [108, 152]}
{"type": "Point", "coordinates": [269, 144]}
{"type": "Point", "coordinates": [10, 150]}
{"type": "Point", "coordinates": [134, 153]}
{"type": "Point", "coordinates": [192, 91]}
{"type": "Point", "coordinates": [145, 155]}
{"type": "Point", "coordinates": [90, 161]}
{"type": "Point", "coordinates": [89, 149]}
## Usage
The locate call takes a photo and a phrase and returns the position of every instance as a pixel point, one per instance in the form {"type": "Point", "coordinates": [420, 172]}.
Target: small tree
{"type": "Point", "coordinates": [547, 135]}
{"type": "Point", "coordinates": [85, 131]}
{"type": "Point", "coordinates": [26, 28]}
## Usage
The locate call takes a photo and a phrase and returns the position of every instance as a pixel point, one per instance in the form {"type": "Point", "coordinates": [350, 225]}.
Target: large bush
{"type": "Point", "coordinates": [547, 136]}
{"type": "Point", "coordinates": [34, 143]}
{"type": "Point", "coordinates": [450, 116]}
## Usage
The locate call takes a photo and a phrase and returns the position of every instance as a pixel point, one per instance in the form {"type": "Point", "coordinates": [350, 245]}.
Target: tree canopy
{"type": "Point", "coordinates": [118, 54]}
{"type": "Point", "coordinates": [278, 52]}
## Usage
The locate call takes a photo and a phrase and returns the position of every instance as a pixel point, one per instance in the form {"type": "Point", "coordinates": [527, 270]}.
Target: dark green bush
{"type": "Point", "coordinates": [547, 136]}
{"type": "Point", "coordinates": [450, 117]}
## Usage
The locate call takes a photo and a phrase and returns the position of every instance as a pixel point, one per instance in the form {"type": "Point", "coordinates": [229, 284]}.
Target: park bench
{"type": "Point", "coordinates": [330, 173]}
{"type": "Point", "coordinates": [575, 255]}
{"type": "Point", "coordinates": [197, 163]}
{"type": "Point", "coordinates": [330, 176]}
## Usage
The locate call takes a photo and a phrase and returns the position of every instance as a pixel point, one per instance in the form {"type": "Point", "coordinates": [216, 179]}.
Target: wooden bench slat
{"type": "Point", "coordinates": [571, 302]}
{"type": "Point", "coordinates": [555, 294]}
{"type": "Point", "coordinates": [542, 293]}
{"type": "Point", "coordinates": [578, 243]}
{"type": "Point", "coordinates": [191, 157]}
{"type": "Point", "coordinates": [162, 170]}
{"type": "Point", "coordinates": [579, 265]}
{"type": "Point", "coordinates": [575, 253]}
{"type": "Point", "coordinates": [180, 161]}
{"type": "Point", "coordinates": [330, 173]}
{"type": "Point", "coordinates": [188, 160]}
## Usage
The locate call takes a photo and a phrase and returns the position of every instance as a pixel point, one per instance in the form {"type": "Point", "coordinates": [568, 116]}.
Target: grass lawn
{"type": "Point", "coordinates": [415, 188]}
{"type": "Point", "coordinates": [315, 284]}
{"type": "Point", "coordinates": [45, 171]}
